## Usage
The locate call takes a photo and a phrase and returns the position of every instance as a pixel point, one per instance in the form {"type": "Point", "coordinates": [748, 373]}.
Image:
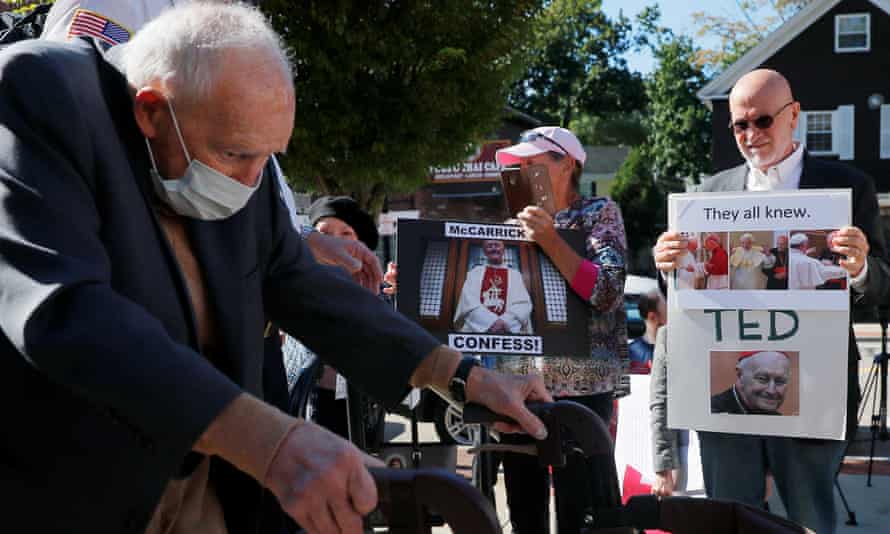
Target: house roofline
{"type": "Point", "coordinates": [720, 86]}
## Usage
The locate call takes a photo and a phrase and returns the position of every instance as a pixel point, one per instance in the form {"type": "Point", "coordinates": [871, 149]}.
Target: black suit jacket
{"type": "Point", "coordinates": [102, 387]}
{"type": "Point", "coordinates": [726, 402]}
{"type": "Point", "coordinates": [781, 262]}
{"type": "Point", "coordinates": [827, 174]}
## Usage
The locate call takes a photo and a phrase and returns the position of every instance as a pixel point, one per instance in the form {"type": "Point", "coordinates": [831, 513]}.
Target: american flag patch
{"type": "Point", "coordinates": [92, 24]}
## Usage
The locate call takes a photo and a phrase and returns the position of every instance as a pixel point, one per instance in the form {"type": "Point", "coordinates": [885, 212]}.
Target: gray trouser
{"type": "Point", "coordinates": [735, 466]}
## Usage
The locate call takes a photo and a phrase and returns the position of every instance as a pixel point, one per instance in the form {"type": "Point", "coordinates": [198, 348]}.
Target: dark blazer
{"type": "Point", "coordinates": [781, 263]}
{"type": "Point", "coordinates": [827, 174]}
{"type": "Point", "coordinates": [726, 402]}
{"type": "Point", "coordinates": [102, 386]}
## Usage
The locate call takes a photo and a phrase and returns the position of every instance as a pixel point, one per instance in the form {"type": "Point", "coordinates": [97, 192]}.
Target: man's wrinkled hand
{"type": "Point", "coordinates": [851, 243]}
{"type": "Point", "coordinates": [669, 247]}
{"type": "Point", "coordinates": [506, 394]}
{"type": "Point", "coordinates": [354, 256]}
{"type": "Point", "coordinates": [321, 481]}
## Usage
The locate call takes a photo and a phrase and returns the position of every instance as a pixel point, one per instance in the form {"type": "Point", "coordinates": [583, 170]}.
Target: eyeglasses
{"type": "Point", "coordinates": [530, 136]}
{"type": "Point", "coordinates": [763, 122]}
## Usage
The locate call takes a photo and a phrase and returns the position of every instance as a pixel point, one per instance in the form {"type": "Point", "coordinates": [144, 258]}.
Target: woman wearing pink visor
{"type": "Point", "coordinates": [598, 277]}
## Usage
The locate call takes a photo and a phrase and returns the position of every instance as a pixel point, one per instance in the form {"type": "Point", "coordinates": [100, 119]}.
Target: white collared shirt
{"type": "Point", "coordinates": [785, 175]}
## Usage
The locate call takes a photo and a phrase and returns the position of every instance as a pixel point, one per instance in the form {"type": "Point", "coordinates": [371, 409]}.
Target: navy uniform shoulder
{"type": "Point", "coordinates": [34, 61]}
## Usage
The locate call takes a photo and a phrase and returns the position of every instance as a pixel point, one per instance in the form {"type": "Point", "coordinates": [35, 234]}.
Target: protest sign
{"type": "Point", "coordinates": [486, 289]}
{"type": "Point", "coordinates": [633, 447]}
{"type": "Point", "coordinates": [759, 314]}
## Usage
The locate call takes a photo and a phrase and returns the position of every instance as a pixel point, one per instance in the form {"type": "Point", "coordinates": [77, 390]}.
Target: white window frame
{"type": "Point", "coordinates": [885, 131]}
{"type": "Point", "coordinates": [837, 33]}
{"type": "Point", "coordinates": [803, 127]}
{"type": "Point", "coordinates": [842, 123]}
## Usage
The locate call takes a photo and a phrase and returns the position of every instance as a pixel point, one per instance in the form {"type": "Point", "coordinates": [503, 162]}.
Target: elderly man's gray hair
{"type": "Point", "coordinates": [184, 46]}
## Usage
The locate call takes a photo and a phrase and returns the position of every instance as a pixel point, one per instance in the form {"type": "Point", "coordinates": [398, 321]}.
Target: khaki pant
{"type": "Point", "coordinates": [189, 506]}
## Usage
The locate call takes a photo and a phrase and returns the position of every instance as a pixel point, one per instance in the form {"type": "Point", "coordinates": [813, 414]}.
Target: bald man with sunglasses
{"type": "Point", "coordinates": [764, 116]}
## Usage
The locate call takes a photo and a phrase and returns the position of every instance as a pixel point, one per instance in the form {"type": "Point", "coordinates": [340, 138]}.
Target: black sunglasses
{"type": "Point", "coordinates": [762, 122]}
{"type": "Point", "coordinates": [528, 137]}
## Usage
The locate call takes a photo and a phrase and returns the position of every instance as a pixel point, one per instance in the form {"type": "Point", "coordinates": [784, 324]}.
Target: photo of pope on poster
{"type": "Point", "coordinates": [483, 288]}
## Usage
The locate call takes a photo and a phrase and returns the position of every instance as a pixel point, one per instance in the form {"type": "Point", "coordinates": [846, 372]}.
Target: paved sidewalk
{"type": "Point", "coordinates": [871, 505]}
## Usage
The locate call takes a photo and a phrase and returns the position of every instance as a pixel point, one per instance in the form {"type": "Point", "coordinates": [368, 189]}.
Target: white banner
{"type": "Point", "coordinates": [759, 314]}
{"type": "Point", "coordinates": [721, 272]}
{"type": "Point", "coordinates": [504, 232]}
{"type": "Point", "coordinates": [493, 344]}
{"type": "Point", "coordinates": [633, 444]}
{"type": "Point", "coordinates": [760, 210]}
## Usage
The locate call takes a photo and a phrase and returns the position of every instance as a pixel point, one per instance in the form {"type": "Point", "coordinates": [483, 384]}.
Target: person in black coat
{"type": "Point", "coordinates": [764, 115]}
{"type": "Point", "coordinates": [777, 273]}
{"type": "Point", "coordinates": [143, 250]}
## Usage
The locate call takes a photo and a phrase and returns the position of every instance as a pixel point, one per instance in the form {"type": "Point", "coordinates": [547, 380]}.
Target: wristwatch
{"type": "Point", "coordinates": [457, 386]}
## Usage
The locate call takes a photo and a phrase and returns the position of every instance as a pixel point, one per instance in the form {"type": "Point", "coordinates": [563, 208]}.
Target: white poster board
{"type": "Point", "coordinates": [633, 444]}
{"type": "Point", "coordinates": [759, 314]}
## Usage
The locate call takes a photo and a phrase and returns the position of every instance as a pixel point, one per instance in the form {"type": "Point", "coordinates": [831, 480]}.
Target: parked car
{"type": "Point", "coordinates": [634, 286]}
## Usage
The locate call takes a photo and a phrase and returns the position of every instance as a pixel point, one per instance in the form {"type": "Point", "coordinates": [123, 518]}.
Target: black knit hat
{"type": "Point", "coordinates": [348, 211]}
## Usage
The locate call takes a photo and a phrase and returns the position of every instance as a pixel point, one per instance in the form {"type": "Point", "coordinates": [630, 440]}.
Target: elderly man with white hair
{"type": "Point", "coordinates": [143, 248]}
{"type": "Point", "coordinates": [805, 272]}
{"type": "Point", "coordinates": [747, 262]}
{"type": "Point", "coordinates": [113, 22]}
{"type": "Point", "coordinates": [762, 379]}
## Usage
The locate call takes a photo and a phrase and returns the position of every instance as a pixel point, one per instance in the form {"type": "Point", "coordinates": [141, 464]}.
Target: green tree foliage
{"type": "Point", "coordinates": [574, 64]}
{"type": "Point", "coordinates": [679, 124]}
{"type": "Point", "coordinates": [21, 7]}
{"type": "Point", "coordinates": [741, 31]}
{"type": "Point", "coordinates": [385, 89]}
{"type": "Point", "coordinates": [611, 129]}
{"type": "Point", "coordinates": [677, 144]}
{"type": "Point", "coordinates": [643, 204]}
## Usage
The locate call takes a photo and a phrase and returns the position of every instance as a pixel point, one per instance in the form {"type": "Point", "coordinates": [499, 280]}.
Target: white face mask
{"type": "Point", "coordinates": [202, 192]}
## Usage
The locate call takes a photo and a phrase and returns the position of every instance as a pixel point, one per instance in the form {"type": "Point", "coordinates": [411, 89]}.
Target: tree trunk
{"type": "Point", "coordinates": [326, 186]}
{"type": "Point", "coordinates": [371, 201]}
{"type": "Point", "coordinates": [566, 118]}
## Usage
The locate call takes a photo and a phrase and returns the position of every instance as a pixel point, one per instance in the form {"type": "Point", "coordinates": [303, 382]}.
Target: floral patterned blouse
{"type": "Point", "coordinates": [606, 247]}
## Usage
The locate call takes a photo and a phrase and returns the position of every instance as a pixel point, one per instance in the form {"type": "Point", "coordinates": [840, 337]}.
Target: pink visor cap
{"type": "Point", "coordinates": [540, 140]}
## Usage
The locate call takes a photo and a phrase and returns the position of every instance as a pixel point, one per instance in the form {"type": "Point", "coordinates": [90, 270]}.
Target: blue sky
{"type": "Point", "coordinates": [675, 14]}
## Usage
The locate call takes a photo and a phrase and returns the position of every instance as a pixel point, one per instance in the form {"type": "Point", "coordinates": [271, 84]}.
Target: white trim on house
{"type": "Point", "coordinates": [841, 128]}
{"type": "Point", "coordinates": [844, 132]}
{"type": "Point", "coordinates": [721, 85]}
{"type": "Point", "coordinates": [837, 33]}
{"type": "Point", "coordinates": [809, 131]}
{"type": "Point", "coordinates": [885, 131]}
